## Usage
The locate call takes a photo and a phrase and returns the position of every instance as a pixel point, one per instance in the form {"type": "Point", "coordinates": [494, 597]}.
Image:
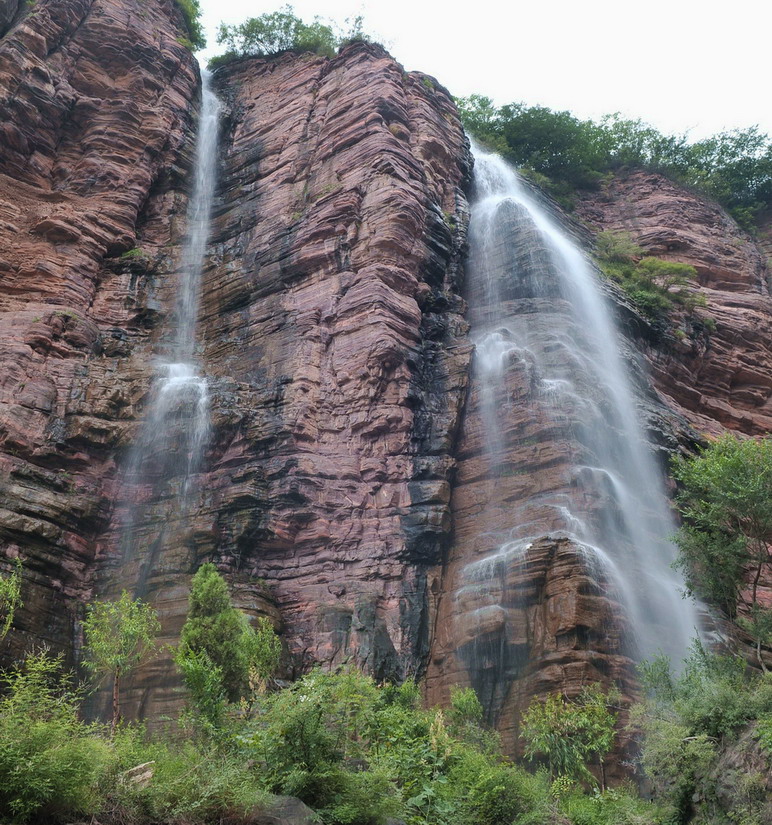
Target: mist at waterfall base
{"type": "Point", "coordinates": [173, 435]}
{"type": "Point", "coordinates": [611, 501]}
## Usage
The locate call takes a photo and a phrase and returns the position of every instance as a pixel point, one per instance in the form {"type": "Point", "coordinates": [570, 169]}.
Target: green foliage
{"type": "Point", "coordinates": [119, 635]}
{"type": "Point", "coordinates": [50, 762]}
{"type": "Point", "coordinates": [764, 733]}
{"type": "Point", "coordinates": [215, 627]}
{"type": "Point", "coordinates": [276, 32]}
{"type": "Point", "coordinates": [655, 286]}
{"type": "Point", "coordinates": [568, 734]}
{"type": "Point", "coordinates": [220, 655]}
{"type": "Point", "coordinates": [191, 11]}
{"type": "Point", "coordinates": [714, 695]}
{"type": "Point", "coordinates": [280, 31]}
{"type": "Point", "coordinates": [186, 783]}
{"type": "Point", "coordinates": [488, 792]}
{"type": "Point", "coordinates": [723, 545]}
{"type": "Point", "coordinates": [734, 168]}
{"type": "Point", "coordinates": [689, 720]}
{"type": "Point", "coordinates": [617, 806]}
{"type": "Point", "coordinates": [10, 597]}
{"type": "Point", "coordinates": [204, 682]}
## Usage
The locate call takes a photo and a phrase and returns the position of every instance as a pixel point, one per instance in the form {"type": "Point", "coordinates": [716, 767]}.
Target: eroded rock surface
{"type": "Point", "coordinates": [717, 379]}
{"type": "Point", "coordinates": [95, 127]}
{"type": "Point", "coordinates": [332, 336]}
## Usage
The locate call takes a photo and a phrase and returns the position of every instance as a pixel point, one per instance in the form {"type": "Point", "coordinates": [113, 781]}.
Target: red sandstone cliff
{"type": "Point", "coordinates": [343, 482]}
{"type": "Point", "coordinates": [95, 128]}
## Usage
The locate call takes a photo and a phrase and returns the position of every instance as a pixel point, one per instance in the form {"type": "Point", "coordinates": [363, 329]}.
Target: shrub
{"type": "Point", "coordinates": [569, 733]}
{"type": "Point", "coordinates": [10, 598]}
{"type": "Point", "coordinates": [186, 784]}
{"type": "Point", "coordinates": [51, 764]}
{"type": "Point", "coordinates": [276, 32]}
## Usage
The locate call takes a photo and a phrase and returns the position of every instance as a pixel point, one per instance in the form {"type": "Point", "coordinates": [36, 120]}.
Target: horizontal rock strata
{"type": "Point", "coordinates": [95, 128]}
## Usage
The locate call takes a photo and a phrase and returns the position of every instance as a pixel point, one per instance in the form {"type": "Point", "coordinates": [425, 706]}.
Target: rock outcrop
{"type": "Point", "coordinates": [717, 375]}
{"type": "Point", "coordinates": [95, 135]}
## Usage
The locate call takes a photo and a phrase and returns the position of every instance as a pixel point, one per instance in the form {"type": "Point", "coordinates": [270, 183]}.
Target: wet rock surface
{"type": "Point", "coordinates": [718, 378]}
{"type": "Point", "coordinates": [95, 130]}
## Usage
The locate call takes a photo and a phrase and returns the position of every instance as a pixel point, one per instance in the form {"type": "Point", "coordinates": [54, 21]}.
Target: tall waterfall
{"type": "Point", "coordinates": [173, 436]}
{"type": "Point", "coordinates": [612, 501]}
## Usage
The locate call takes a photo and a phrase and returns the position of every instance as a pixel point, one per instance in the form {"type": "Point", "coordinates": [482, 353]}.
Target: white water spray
{"type": "Point", "coordinates": [173, 436]}
{"type": "Point", "coordinates": [579, 379]}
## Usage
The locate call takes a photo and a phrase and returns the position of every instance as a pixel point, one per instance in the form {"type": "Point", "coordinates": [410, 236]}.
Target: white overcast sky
{"type": "Point", "coordinates": [682, 65]}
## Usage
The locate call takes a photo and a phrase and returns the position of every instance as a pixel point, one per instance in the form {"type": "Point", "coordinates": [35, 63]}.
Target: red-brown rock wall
{"type": "Point", "coordinates": [717, 379]}
{"type": "Point", "coordinates": [95, 127]}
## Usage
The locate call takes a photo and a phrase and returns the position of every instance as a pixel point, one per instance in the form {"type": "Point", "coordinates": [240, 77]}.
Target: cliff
{"type": "Point", "coordinates": [96, 125]}
{"type": "Point", "coordinates": [342, 485]}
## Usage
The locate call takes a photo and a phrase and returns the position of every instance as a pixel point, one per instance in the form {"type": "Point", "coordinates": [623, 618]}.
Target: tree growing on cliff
{"type": "Point", "coordinates": [119, 635]}
{"type": "Point", "coordinates": [724, 544]}
{"type": "Point", "coordinates": [278, 31]}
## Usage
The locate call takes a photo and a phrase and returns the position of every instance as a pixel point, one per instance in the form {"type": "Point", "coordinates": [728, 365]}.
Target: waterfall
{"type": "Point", "coordinates": [172, 438]}
{"type": "Point", "coordinates": [535, 306]}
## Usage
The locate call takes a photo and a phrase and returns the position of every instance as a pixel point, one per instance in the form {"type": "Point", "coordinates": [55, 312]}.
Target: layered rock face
{"type": "Point", "coordinates": [332, 339]}
{"type": "Point", "coordinates": [331, 334]}
{"type": "Point", "coordinates": [95, 127]}
{"type": "Point", "coordinates": [345, 489]}
{"type": "Point", "coordinates": [716, 379]}
{"type": "Point", "coordinates": [332, 322]}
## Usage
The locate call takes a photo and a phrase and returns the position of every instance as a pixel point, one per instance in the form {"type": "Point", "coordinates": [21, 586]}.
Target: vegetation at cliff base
{"type": "Point", "coordinates": [725, 544]}
{"type": "Point", "coordinates": [566, 153]}
{"type": "Point", "coordinates": [703, 746]}
{"type": "Point", "coordinates": [10, 597]}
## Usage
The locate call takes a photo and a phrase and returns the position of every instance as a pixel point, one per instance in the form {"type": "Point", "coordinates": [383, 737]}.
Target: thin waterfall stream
{"type": "Point", "coordinates": [610, 499]}
{"type": "Point", "coordinates": [172, 438]}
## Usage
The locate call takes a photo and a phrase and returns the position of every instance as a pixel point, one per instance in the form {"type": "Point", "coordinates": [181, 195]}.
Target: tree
{"type": "Point", "coordinates": [215, 627]}
{"type": "Point", "coordinates": [119, 635]}
{"type": "Point", "coordinates": [191, 11]}
{"type": "Point", "coordinates": [218, 638]}
{"type": "Point", "coordinates": [570, 732]}
{"type": "Point", "coordinates": [276, 32]}
{"type": "Point", "coordinates": [10, 598]}
{"type": "Point", "coordinates": [724, 544]}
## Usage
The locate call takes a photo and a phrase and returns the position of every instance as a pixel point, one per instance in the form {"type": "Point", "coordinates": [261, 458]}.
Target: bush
{"type": "Point", "coordinates": [569, 733]}
{"type": "Point", "coordinates": [280, 31]}
{"type": "Point", "coordinates": [185, 783]}
{"type": "Point", "coordinates": [51, 764]}
{"type": "Point", "coordinates": [655, 286]}
{"type": "Point", "coordinates": [689, 719]}
{"type": "Point", "coordinates": [10, 598]}
{"type": "Point", "coordinates": [276, 32]}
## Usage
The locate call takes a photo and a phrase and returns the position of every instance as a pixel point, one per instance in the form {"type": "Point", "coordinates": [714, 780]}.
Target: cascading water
{"type": "Point", "coordinates": [611, 502]}
{"type": "Point", "coordinates": [173, 436]}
